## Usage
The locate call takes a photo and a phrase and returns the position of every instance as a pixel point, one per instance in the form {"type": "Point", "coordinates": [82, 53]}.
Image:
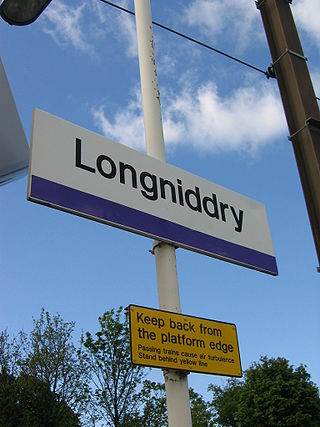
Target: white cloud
{"type": "Point", "coordinates": [235, 19]}
{"type": "Point", "coordinates": [127, 125]}
{"type": "Point", "coordinates": [249, 119]}
{"type": "Point", "coordinates": [315, 76]}
{"type": "Point", "coordinates": [80, 26]}
{"type": "Point", "coordinates": [166, 65]}
{"type": "Point", "coordinates": [128, 30]}
{"type": "Point", "coordinates": [63, 24]}
{"type": "Point", "coordinates": [307, 16]}
{"type": "Point", "coordinates": [245, 121]}
{"type": "Point", "coordinates": [120, 24]}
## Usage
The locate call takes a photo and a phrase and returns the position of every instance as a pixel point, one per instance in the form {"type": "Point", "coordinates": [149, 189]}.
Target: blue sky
{"type": "Point", "coordinates": [222, 121]}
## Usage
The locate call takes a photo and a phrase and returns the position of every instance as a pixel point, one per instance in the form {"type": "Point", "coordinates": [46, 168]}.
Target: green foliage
{"type": "Point", "coordinates": [11, 351]}
{"type": "Point", "coordinates": [46, 366]}
{"type": "Point", "coordinates": [154, 406]}
{"type": "Point", "coordinates": [276, 394]}
{"type": "Point", "coordinates": [272, 393]}
{"type": "Point", "coordinates": [9, 415]}
{"type": "Point", "coordinates": [200, 412]}
{"type": "Point", "coordinates": [28, 402]}
{"type": "Point", "coordinates": [153, 410]}
{"type": "Point", "coordinates": [114, 377]}
{"type": "Point", "coordinates": [45, 380]}
{"type": "Point", "coordinates": [225, 402]}
{"type": "Point", "coordinates": [52, 357]}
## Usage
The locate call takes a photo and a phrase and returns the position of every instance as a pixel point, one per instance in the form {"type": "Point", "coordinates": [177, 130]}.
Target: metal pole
{"type": "Point", "coordinates": [177, 393]}
{"type": "Point", "coordinates": [299, 101]}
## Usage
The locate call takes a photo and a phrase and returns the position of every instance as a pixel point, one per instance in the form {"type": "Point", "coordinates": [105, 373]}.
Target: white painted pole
{"type": "Point", "coordinates": [177, 393]}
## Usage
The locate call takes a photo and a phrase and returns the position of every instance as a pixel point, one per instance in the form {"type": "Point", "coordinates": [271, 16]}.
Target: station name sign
{"type": "Point", "coordinates": [84, 173]}
{"type": "Point", "coordinates": [175, 341]}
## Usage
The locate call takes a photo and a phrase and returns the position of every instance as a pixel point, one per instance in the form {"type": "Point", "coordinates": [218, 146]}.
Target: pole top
{"type": "Point", "coordinates": [259, 3]}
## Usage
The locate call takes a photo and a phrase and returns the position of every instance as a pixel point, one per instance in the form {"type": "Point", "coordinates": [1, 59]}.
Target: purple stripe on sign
{"type": "Point", "coordinates": [100, 209]}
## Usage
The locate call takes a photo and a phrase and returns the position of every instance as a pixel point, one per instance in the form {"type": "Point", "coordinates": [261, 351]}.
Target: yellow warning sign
{"type": "Point", "coordinates": [175, 341]}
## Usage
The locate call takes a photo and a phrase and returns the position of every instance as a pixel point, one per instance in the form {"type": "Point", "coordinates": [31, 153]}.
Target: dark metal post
{"type": "Point", "coordinates": [298, 99]}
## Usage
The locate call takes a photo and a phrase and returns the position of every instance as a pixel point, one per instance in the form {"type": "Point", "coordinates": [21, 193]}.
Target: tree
{"type": "Point", "coordinates": [114, 377]}
{"type": "Point", "coordinates": [11, 353]}
{"type": "Point", "coordinates": [276, 394]}
{"type": "Point", "coordinates": [26, 401]}
{"type": "Point", "coordinates": [47, 356]}
{"type": "Point", "coordinates": [225, 402]}
{"type": "Point", "coordinates": [9, 415]}
{"type": "Point", "coordinates": [200, 412]}
{"type": "Point", "coordinates": [153, 405]}
{"type": "Point", "coordinates": [153, 410]}
{"type": "Point", "coordinates": [272, 393]}
{"type": "Point", "coordinates": [51, 356]}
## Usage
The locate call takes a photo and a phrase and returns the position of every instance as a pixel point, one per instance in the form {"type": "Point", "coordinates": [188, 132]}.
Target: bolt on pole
{"type": "Point", "coordinates": [298, 99]}
{"type": "Point", "coordinates": [177, 393]}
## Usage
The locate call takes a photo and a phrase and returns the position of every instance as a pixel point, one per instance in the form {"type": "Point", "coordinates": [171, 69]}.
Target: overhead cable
{"type": "Point", "coordinates": [171, 30]}
{"type": "Point", "coordinates": [269, 73]}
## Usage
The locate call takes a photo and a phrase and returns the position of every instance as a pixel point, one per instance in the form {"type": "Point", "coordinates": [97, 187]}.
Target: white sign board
{"type": "Point", "coordinates": [84, 173]}
{"type": "Point", "coordinates": [14, 149]}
